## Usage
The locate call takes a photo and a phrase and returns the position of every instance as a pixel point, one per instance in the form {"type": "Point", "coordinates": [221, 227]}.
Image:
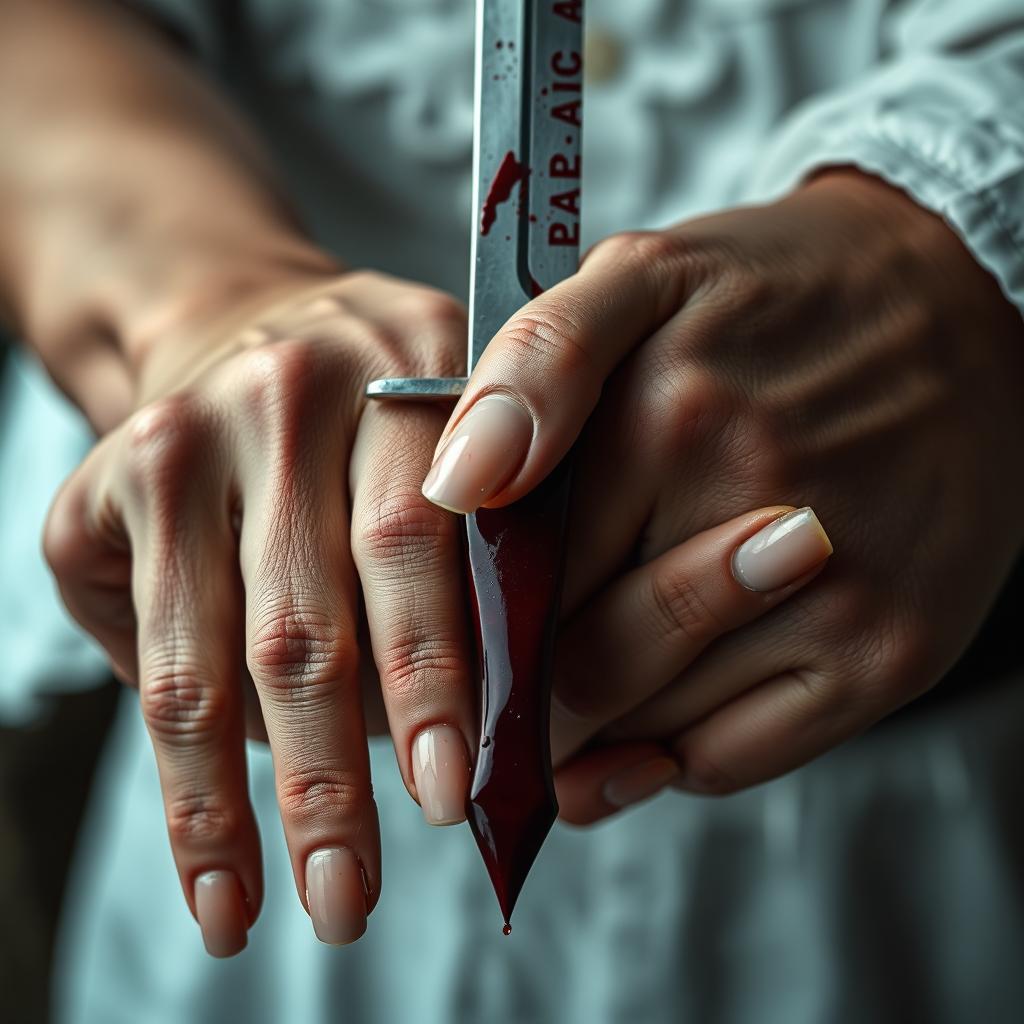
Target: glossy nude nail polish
{"type": "Point", "coordinates": [221, 912]}
{"type": "Point", "coordinates": [440, 766]}
{"type": "Point", "coordinates": [781, 552]}
{"type": "Point", "coordinates": [484, 451]}
{"type": "Point", "coordinates": [336, 895]}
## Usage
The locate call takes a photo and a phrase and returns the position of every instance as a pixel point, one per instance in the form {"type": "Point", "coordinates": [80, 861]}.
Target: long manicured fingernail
{"type": "Point", "coordinates": [440, 767]}
{"type": "Point", "coordinates": [336, 895]}
{"type": "Point", "coordinates": [640, 781]}
{"type": "Point", "coordinates": [782, 552]}
{"type": "Point", "coordinates": [220, 908]}
{"type": "Point", "coordinates": [489, 444]}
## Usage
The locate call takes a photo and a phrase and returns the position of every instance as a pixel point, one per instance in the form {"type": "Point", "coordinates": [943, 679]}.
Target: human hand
{"type": "Point", "coordinates": [839, 349]}
{"type": "Point", "coordinates": [211, 531]}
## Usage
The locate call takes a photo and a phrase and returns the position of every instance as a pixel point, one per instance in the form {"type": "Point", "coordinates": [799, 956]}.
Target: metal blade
{"type": "Point", "coordinates": [526, 157]}
{"type": "Point", "coordinates": [525, 239]}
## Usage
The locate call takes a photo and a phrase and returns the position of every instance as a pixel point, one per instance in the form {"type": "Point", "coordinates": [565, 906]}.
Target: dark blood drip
{"type": "Point", "coordinates": [510, 174]}
{"type": "Point", "coordinates": [515, 567]}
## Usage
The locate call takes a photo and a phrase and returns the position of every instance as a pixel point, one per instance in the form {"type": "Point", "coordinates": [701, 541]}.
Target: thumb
{"type": "Point", "coordinates": [539, 379]}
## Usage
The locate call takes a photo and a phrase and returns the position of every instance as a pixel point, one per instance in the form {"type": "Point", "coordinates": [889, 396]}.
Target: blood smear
{"type": "Point", "coordinates": [510, 173]}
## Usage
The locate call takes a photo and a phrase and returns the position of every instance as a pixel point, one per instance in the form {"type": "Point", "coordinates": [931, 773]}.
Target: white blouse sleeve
{"type": "Point", "coordinates": [942, 117]}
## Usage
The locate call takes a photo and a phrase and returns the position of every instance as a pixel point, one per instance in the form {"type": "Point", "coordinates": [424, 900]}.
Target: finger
{"type": "Point", "coordinates": [301, 647]}
{"type": "Point", "coordinates": [86, 546]}
{"type": "Point", "coordinates": [778, 726]}
{"type": "Point", "coordinates": [188, 601]}
{"type": "Point", "coordinates": [540, 377]}
{"type": "Point", "coordinates": [736, 663]}
{"type": "Point", "coordinates": [643, 630]}
{"type": "Point", "coordinates": [604, 781]}
{"type": "Point", "coordinates": [409, 557]}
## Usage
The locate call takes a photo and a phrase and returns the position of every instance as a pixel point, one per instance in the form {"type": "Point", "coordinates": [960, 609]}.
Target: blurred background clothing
{"type": "Point", "coordinates": [881, 883]}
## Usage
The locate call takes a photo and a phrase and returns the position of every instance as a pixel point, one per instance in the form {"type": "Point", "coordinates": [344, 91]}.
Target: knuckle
{"type": "Point", "coordinates": [307, 795]}
{"type": "Point", "coordinates": [549, 337]}
{"type": "Point", "coordinates": [402, 524]}
{"type": "Point", "coordinates": [179, 704]}
{"type": "Point", "coordinates": [276, 380]}
{"type": "Point", "coordinates": [682, 609]}
{"type": "Point", "coordinates": [640, 249]}
{"type": "Point", "coordinates": [414, 665]}
{"type": "Point", "coordinates": [301, 654]}
{"type": "Point", "coordinates": [689, 406]}
{"type": "Point", "coordinates": [163, 439]}
{"type": "Point", "coordinates": [201, 819]}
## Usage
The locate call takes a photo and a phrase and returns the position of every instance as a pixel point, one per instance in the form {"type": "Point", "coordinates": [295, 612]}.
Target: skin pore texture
{"type": "Point", "coordinates": [839, 349]}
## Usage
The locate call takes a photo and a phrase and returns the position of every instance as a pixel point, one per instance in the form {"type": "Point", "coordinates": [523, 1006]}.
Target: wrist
{"type": "Point", "coordinates": [168, 339]}
{"type": "Point", "coordinates": [202, 299]}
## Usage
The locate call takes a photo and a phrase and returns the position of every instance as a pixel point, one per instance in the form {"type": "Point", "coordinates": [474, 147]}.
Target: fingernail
{"type": "Point", "coordinates": [782, 552]}
{"type": "Point", "coordinates": [639, 782]}
{"type": "Point", "coordinates": [440, 767]}
{"type": "Point", "coordinates": [336, 895]}
{"type": "Point", "coordinates": [220, 909]}
{"type": "Point", "coordinates": [489, 444]}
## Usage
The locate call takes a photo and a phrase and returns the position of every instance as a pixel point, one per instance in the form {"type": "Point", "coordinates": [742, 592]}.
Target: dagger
{"type": "Point", "coordinates": [525, 238]}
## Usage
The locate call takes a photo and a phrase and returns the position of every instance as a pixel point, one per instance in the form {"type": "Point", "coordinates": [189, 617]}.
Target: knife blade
{"type": "Point", "coordinates": [526, 201]}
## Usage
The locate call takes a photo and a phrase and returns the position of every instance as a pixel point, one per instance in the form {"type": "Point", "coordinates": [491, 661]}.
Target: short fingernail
{"type": "Point", "coordinates": [782, 552]}
{"type": "Point", "coordinates": [639, 782]}
{"type": "Point", "coordinates": [440, 767]}
{"type": "Point", "coordinates": [220, 908]}
{"type": "Point", "coordinates": [336, 895]}
{"type": "Point", "coordinates": [489, 444]}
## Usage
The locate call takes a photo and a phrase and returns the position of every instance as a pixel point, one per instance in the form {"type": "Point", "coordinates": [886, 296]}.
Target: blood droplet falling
{"type": "Point", "coordinates": [510, 173]}
{"type": "Point", "coordinates": [506, 929]}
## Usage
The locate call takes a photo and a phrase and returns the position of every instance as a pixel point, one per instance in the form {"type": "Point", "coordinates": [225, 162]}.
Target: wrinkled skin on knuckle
{"type": "Point", "coordinates": [311, 796]}
{"type": "Point", "coordinates": [198, 819]}
{"type": "Point", "coordinates": [549, 336]}
{"type": "Point", "coordinates": [404, 526]}
{"type": "Point", "coordinates": [301, 655]}
{"type": "Point", "coordinates": [415, 666]}
{"type": "Point", "coordinates": [178, 703]}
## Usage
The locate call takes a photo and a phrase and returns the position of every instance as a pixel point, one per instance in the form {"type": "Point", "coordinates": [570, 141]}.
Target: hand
{"type": "Point", "coordinates": [216, 520]}
{"type": "Point", "coordinates": [839, 349]}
